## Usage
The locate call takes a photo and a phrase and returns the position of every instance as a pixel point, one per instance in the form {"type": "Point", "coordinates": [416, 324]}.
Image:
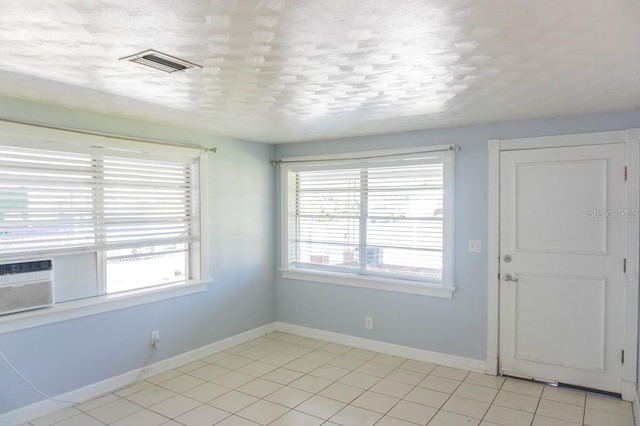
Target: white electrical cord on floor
{"type": "Point", "coordinates": [143, 370]}
{"type": "Point", "coordinates": [34, 387]}
{"type": "Point", "coordinates": [52, 398]}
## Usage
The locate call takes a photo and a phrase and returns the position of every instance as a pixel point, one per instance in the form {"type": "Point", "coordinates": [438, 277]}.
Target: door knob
{"type": "Point", "coordinates": [509, 277]}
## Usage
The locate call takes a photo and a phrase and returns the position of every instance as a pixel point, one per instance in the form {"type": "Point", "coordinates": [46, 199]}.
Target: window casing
{"type": "Point", "coordinates": [382, 221]}
{"type": "Point", "coordinates": [126, 214]}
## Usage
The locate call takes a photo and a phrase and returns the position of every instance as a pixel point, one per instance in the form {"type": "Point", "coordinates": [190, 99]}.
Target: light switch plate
{"type": "Point", "coordinates": [475, 246]}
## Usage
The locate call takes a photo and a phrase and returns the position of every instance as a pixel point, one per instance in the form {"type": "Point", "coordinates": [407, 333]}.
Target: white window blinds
{"type": "Point", "coordinates": [75, 199]}
{"type": "Point", "coordinates": [381, 218]}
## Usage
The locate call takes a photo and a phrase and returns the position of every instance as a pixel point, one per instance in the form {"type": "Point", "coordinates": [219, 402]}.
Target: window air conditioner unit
{"type": "Point", "coordinates": [26, 285]}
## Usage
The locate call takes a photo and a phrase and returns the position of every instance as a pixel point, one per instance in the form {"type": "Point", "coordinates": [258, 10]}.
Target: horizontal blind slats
{"type": "Point", "coordinates": [403, 215]}
{"type": "Point", "coordinates": [59, 201]}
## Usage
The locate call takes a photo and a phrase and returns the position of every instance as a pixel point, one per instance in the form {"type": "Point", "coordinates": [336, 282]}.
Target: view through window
{"type": "Point", "coordinates": [379, 218]}
{"type": "Point", "coordinates": [136, 211]}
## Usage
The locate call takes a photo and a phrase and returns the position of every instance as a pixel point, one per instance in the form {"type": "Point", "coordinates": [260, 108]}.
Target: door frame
{"type": "Point", "coordinates": [631, 139]}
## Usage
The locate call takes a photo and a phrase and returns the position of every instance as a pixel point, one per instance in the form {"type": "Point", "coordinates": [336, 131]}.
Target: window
{"type": "Point", "coordinates": [126, 214]}
{"type": "Point", "coordinates": [383, 221]}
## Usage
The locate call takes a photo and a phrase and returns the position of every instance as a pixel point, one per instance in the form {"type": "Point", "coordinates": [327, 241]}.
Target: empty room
{"type": "Point", "coordinates": [330, 212]}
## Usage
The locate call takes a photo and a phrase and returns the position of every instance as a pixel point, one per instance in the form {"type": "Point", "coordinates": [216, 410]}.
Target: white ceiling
{"type": "Point", "coordinates": [295, 70]}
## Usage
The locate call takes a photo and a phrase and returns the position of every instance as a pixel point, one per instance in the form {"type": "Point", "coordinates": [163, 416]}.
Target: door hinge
{"type": "Point", "coordinates": [624, 265]}
{"type": "Point", "coordinates": [625, 172]}
{"type": "Point", "coordinates": [623, 356]}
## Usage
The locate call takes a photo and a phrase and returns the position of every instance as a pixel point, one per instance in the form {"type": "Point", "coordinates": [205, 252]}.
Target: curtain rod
{"type": "Point", "coordinates": [450, 148]}
{"type": "Point", "coordinates": [110, 135]}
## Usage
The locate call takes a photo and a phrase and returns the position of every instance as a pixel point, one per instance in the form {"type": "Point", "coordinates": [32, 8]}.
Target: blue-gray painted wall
{"type": "Point", "coordinates": [68, 355]}
{"type": "Point", "coordinates": [247, 292]}
{"type": "Point", "coordinates": [457, 326]}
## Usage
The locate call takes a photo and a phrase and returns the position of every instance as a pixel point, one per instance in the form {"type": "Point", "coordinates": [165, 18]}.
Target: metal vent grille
{"type": "Point", "coordinates": [160, 61]}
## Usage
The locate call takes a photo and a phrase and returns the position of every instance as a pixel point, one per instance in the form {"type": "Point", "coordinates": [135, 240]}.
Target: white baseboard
{"type": "Point", "coordinates": [45, 407]}
{"type": "Point", "coordinates": [384, 347]}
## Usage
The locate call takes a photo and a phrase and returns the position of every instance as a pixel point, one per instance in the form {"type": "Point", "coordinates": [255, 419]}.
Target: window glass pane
{"type": "Point", "coordinates": [328, 217]}
{"type": "Point", "coordinates": [328, 241]}
{"type": "Point", "coordinates": [407, 262]}
{"type": "Point", "coordinates": [399, 233]}
{"type": "Point", "coordinates": [134, 268]}
{"type": "Point", "coordinates": [398, 208]}
{"type": "Point", "coordinates": [328, 193]}
{"type": "Point", "coordinates": [411, 191]}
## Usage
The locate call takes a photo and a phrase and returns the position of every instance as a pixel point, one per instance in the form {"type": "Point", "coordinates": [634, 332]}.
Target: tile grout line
{"type": "Point", "coordinates": [296, 355]}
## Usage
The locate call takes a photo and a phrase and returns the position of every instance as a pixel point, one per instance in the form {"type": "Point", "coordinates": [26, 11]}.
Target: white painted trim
{"type": "Point", "coordinates": [598, 138]}
{"type": "Point", "coordinates": [45, 407]}
{"type": "Point", "coordinates": [97, 305]}
{"type": "Point", "coordinates": [631, 138]}
{"type": "Point", "coordinates": [636, 406]}
{"type": "Point", "coordinates": [445, 289]}
{"type": "Point", "coordinates": [493, 259]}
{"type": "Point", "coordinates": [629, 369]}
{"type": "Point", "coordinates": [492, 365]}
{"type": "Point", "coordinates": [203, 210]}
{"type": "Point", "coordinates": [374, 283]}
{"type": "Point", "coordinates": [629, 391]}
{"type": "Point", "coordinates": [448, 231]}
{"type": "Point", "coordinates": [384, 347]}
{"type": "Point", "coordinates": [284, 216]}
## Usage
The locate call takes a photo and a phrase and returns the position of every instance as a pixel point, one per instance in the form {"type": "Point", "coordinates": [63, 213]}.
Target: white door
{"type": "Point", "coordinates": [562, 242]}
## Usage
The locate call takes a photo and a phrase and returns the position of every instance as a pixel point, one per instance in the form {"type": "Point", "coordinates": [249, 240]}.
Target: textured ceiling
{"type": "Point", "coordinates": [296, 70]}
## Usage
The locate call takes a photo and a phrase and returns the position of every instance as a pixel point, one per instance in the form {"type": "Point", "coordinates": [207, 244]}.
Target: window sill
{"type": "Point", "coordinates": [97, 305]}
{"type": "Point", "coordinates": [385, 284]}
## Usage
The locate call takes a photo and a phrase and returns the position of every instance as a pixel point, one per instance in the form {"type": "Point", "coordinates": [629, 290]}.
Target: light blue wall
{"type": "Point", "coordinates": [243, 229]}
{"type": "Point", "coordinates": [68, 355]}
{"type": "Point", "coordinates": [457, 326]}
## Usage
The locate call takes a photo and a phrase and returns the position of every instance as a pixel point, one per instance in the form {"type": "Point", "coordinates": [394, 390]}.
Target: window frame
{"type": "Point", "coordinates": [444, 289]}
{"type": "Point", "coordinates": [63, 311]}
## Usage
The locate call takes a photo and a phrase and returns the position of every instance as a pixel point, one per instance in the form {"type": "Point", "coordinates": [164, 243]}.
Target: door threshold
{"type": "Point", "coordinates": [590, 390]}
{"type": "Point", "coordinates": [564, 385]}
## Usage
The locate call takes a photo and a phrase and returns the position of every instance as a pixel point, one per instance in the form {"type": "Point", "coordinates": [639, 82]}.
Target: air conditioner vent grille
{"type": "Point", "coordinates": [160, 61]}
{"type": "Point", "coordinates": [26, 285]}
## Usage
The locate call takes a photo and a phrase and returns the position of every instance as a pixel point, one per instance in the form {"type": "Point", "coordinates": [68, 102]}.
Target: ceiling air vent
{"type": "Point", "coordinates": [160, 61]}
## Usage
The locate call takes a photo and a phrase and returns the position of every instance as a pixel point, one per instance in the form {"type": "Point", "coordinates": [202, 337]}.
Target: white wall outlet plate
{"type": "Point", "coordinates": [368, 323]}
{"type": "Point", "coordinates": [475, 246]}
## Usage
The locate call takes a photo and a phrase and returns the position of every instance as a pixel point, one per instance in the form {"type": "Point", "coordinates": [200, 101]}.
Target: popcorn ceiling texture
{"type": "Point", "coordinates": [295, 70]}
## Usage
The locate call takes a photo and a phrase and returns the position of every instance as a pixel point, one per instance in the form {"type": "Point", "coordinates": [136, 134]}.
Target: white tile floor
{"type": "Point", "coordinates": [283, 379]}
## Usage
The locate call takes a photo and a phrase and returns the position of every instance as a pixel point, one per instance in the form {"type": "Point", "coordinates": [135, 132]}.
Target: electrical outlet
{"type": "Point", "coordinates": [155, 338]}
{"type": "Point", "coordinates": [368, 323]}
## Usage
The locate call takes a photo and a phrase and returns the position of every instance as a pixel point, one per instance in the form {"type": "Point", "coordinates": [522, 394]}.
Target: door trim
{"type": "Point", "coordinates": [631, 138]}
